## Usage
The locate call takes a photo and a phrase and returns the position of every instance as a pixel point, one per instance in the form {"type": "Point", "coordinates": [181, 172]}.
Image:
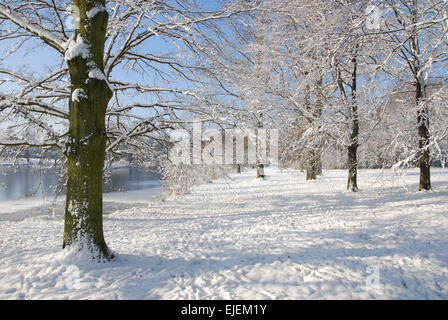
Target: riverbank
{"type": "Point", "coordinates": [25, 184]}
{"type": "Point", "coordinates": [51, 207]}
{"type": "Point", "coordinates": [242, 238]}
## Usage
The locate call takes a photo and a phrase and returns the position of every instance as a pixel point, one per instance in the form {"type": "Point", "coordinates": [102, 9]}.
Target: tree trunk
{"type": "Point", "coordinates": [319, 164]}
{"type": "Point", "coordinates": [317, 115]}
{"type": "Point", "coordinates": [302, 162]}
{"type": "Point", "coordinates": [424, 156]}
{"type": "Point", "coordinates": [311, 168]}
{"type": "Point", "coordinates": [260, 171]}
{"type": "Point", "coordinates": [259, 156]}
{"type": "Point", "coordinates": [352, 183]}
{"type": "Point", "coordinates": [87, 133]}
{"type": "Point", "coordinates": [311, 165]}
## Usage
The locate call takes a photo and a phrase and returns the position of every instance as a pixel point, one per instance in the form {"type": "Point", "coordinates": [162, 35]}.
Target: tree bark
{"type": "Point", "coordinates": [311, 168]}
{"type": "Point", "coordinates": [87, 135]}
{"type": "Point", "coordinates": [319, 164]}
{"type": "Point", "coordinates": [317, 115]}
{"type": "Point", "coordinates": [352, 149]}
{"type": "Point", "coordinates": [352, 183]}
{"type": "Point", "coordinates": [424, 156]}
{"type": "Point", "coordinates": [260, 157]}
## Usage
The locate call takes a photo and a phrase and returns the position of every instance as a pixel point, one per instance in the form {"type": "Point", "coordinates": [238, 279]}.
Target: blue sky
{"type": "Point", "coordinates": [38, 58]}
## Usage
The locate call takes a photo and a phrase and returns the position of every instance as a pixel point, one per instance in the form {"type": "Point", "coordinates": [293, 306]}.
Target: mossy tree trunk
{"type": "Point", "coordinates": [87, 133]}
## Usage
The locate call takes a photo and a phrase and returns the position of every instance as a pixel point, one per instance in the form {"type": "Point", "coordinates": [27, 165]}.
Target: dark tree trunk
{"type": "Point", "coordinates": [302, 162]}
{"type": "Point", "coordinates": [260, 157]}
{"type": "Point", "coordinates": [87, 136]}
{"type": "Point", "coordinates": [311, 165]}
{"type": "Point", "coordinates": [317, 115]}
{"type": "Point", "coordinates": [352, 149]}
{"type": "Point", "coordinates": [310, 156]}
{"type": "Point", "coordinates": [260, 171]}
{"type": "Point", "coordinates": [424, 156]}
{"type": "Point", "coordinates": [352, 183]}
{"type": "Point", "coordinates": [319, 164]}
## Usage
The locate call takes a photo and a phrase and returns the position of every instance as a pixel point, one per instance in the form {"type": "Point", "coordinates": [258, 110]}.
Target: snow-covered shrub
{"type": "Point", "coordinates": [180, 178]}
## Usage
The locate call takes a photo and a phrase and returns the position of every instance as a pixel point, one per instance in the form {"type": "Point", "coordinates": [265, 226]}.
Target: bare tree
{"type": "Point", "coordinates": [82, 105]}
{"type": "Point", "coordinates": [415, 30]}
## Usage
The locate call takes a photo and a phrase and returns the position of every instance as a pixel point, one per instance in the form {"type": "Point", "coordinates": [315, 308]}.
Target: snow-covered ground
{"type": "Point", "coordinates": [242, 238]}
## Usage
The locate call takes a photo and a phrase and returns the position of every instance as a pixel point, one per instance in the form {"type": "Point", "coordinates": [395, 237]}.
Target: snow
{"type": "Point", "coordinates": [77, 47]}
{"type": "Point", "coordinates": [95, 10]}
{"type": "Point", "coordinates": [96, 73]}
{"type": "Point", "coordinates": [122, 163]}
{"type": "Point", "coordinates": [242, 238]}
{"type": "Point", "coordinates": [26, 23]}
{"type": "Point", "coordinates": [78, 95]}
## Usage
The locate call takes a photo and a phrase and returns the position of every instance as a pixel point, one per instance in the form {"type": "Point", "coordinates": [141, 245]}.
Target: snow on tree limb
{"type": "Point", "coordinates": [35, 28]}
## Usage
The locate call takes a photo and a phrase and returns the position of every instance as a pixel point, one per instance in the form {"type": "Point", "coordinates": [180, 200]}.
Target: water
{"type": "Point", "coordinates": [28, 181]}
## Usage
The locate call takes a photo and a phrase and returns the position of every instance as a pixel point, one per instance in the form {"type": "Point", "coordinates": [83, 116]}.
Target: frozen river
{"type": "Point", "coordinates": [29, 181]}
